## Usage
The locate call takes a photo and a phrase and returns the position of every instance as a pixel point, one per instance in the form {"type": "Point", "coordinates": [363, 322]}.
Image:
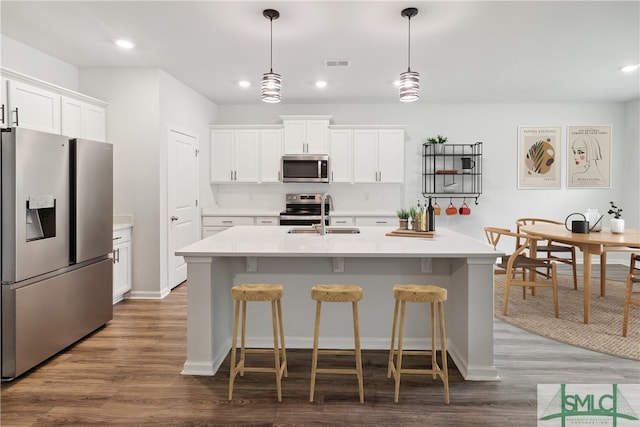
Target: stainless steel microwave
{"type": "Point", "coordinates": [305, 168]}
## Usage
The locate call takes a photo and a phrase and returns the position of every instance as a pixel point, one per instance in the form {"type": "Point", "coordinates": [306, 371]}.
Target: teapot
{"type": "Point", "coordinates": [594, 217]}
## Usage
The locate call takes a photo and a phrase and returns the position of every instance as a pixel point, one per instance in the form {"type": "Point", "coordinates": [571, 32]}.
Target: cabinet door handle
{"type": "Point", "coordinates": [118, 252]}
{"type": "Point", "coordinates": [381, 222]}
{"type": "Point", "coordinates": [235, 175]}
{"type": "Point", "coordinates": [227, 221]}
{"type": "Point", "coordinates": [16, 121]}
{"type": "Point", "coordinates": [117, 238]}
{"type": "Point", "coordinates": [174, 218]}
{"type": "Point", "coordinates": [231, 177]}
{"type": "Point", "coordinates": [2, 113]}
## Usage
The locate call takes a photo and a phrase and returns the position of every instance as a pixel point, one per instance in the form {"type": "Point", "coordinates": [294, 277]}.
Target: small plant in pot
{"type": "Point", "coordinates": [413, 213]}
{"type": "Point", "coordinates": [616, 223]}
{"type": "Point", "coordinates": [403, 218]}
{"type": "Point", "coordinates": [437, 142]}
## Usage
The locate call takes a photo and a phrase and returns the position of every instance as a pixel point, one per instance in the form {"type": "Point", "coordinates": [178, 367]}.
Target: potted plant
{"type": "Point", "coordinates": [616, 223]}
{"type": "Point", "coordinates": [436, 142]}
{"type": "Point", "coordinates": [403, 218]}
{"type": "Point", "coordinates": [413, 213]}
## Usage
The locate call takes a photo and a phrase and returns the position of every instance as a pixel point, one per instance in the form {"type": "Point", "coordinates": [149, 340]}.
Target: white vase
{"type": "Point", "coordinates": [617, 225]}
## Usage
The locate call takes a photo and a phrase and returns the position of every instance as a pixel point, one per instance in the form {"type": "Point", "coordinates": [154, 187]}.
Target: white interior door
{"type": "Point", "coordinates": [183, 200]}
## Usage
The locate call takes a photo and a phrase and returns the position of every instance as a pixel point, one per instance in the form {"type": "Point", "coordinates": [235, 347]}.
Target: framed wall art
{"type": "Point", "coordinates": [539, 157]}
{"type": "Point", "coordinates": [589, 156]}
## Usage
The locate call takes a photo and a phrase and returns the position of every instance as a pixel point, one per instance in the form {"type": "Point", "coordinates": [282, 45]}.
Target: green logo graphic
{"type": "Point", "coordinates": [565, 405]}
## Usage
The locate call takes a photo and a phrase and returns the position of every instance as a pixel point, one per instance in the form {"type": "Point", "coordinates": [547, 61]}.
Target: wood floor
{"type": "Point", "coordinates": [128, 373]}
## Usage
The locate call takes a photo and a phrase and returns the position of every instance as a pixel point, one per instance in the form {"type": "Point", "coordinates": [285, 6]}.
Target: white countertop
{"type": "Point", "coordinates": [268, 212]}
{"type": "Point", "coordinates": [274, 241]}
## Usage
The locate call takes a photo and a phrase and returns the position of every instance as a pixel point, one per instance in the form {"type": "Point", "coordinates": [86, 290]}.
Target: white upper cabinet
{"type": "Point", "coordinates": [38, 105]}
{"type": "Point", "coordinates": [378, 155]}
{"type": "Point", "coordinates": [306, 135]}
{"type": "Point", "coordinates": [83, 120]}
{"type": "Point", "coordinates": [234, 155]}
{"type": "Point", "coordinates": [33, 107]}
{"type": "Point", "coordinates": [341, 155]}
{"type": "Point", "coordinates": [270, 154]}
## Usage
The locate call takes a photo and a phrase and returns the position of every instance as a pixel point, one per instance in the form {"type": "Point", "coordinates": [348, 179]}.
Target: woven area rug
{"type": "Point", "coordinates": [603, 334]}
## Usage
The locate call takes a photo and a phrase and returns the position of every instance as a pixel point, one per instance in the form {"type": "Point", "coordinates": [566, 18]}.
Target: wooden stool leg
{"type": "Point", "coordinates": [399, 357]}
{"type": "Point", "coordinates": [314, 361]}
{"type": "Point", "coordinates": [627, 306]}
{"type": "Point", "coordinates": [393, 338]}
{"type": "Point", "coordinates": [443, 353]}
{"type": "Point", "coordinates": [276, 348]}
{"type": "Point", "coordinates": [356, 338]}
{"type": "Point", "coordinates": [233, 372]}
{"type": "Point", "coordinates": [243, 337]}
{"type": "Point", "coordinates": [284, 347]}
{"type": "Point", "coordinates": [434, 362]}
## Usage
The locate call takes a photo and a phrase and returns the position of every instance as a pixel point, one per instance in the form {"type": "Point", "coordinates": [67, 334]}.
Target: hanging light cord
{"type": "Point", "coordinates": [409, 49]}
{"type": "Point", "coordinates": [271, 45]}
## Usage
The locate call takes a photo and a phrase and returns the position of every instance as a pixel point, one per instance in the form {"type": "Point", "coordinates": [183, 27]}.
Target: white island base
{"type": "Point", "coordinates": [376, 262]}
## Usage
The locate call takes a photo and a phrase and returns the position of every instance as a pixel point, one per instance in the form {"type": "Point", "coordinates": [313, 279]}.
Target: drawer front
{"type": "Point", "coordinates": [267, 220]}
{"type": "Point", "coordinates": [381, 220]}
{"type": "Point", "coordinates": [226, 221]}
{"type": "Point", "coordinates": [341, 220]}
{"type": "Point", "coordinates": [121, 236]}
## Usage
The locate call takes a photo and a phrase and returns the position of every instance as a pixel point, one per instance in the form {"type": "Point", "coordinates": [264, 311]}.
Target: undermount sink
{"type": "Point", "coordinates": [328, 230]}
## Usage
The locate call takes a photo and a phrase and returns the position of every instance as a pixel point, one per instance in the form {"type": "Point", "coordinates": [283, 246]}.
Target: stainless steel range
{"type": "Point", "coordinates": [306, 209]}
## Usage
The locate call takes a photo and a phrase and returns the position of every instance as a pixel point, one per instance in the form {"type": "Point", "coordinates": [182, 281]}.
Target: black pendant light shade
{"type": "Point", "coordinates": [409, 80]}
{"type": "Point", "coordinates": [271, 82]}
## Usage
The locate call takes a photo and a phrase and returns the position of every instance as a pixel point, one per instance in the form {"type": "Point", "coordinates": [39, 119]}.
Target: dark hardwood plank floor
{"type": "Point", "coordinates": [128, 373]}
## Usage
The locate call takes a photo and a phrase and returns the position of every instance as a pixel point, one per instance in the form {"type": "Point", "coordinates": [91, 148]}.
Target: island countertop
{"type": "Point", "coordinates": [275, 241]}
{"type": "Point", "coordinates": [371, 259]}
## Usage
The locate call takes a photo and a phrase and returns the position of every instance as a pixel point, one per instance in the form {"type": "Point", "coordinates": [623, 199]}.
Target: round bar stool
{"type": "Point", "coordinates": [422, 294]}
{"type": "Point", "coordinates": [337, 293]}
{"type": "Point", "coordinates": [258, 292]}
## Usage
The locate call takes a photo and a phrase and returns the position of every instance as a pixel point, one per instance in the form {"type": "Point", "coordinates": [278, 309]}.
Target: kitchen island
{"type": "Point", "coordinates": [370, 259]}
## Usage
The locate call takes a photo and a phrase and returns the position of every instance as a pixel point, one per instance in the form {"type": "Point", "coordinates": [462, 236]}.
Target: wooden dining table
{"type": "Point", "coordinates": [589, 243]}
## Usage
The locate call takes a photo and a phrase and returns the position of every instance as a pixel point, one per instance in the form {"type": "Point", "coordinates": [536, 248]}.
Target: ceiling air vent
{"type": "Point", "coordinates": [337, 63]}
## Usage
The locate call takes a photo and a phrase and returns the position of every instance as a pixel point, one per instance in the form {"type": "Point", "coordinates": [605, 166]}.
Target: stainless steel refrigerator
{"type": "Point", "coordinates": [56, 229]}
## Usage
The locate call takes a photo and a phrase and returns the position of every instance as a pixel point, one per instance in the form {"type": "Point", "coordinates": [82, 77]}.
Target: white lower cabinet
{"type": "Point", "coordinates": [121, 263]}
{"type": "Point", "coordinates": [267, 220]}
{"type": "Point", "coordinates": [342, 220]}
{"type": "Point", "coordinates": [214, 224]}
{"type": "Point", "coordinates": [376, 220]}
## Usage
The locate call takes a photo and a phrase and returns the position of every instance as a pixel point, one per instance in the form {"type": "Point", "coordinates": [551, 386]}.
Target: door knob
{"type": "Point", "coordinates": [174, 218]}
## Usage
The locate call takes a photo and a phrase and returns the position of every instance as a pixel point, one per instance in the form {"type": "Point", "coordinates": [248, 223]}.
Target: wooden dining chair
{"type": "Point", "coordinates": [551, 250]}
{"type": "Point", "coordinates": [631, 297]}
{"type": "Point", "coordinates": [603, 264]}
{"type": "Point", "coordinates": [519, 260]}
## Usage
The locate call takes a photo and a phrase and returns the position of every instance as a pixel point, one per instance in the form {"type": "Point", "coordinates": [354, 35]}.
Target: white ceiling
{"type": "Point", "coordinates": [475, 51]}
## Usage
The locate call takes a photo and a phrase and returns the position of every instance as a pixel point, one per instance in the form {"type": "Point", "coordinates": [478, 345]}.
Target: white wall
{"type": "Point", "coordinates": [133, 119]}
{"type": "Point", "coordinates": [494, 124]}
{"type": "Point", "coordinates": [20, 57]}
{"type": "Point", "coordinates": [143, 105]}
{"type": "Point", "coordinates": [181, 108]}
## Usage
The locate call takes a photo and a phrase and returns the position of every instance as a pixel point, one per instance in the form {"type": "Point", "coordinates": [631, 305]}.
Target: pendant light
{"type": "Point", "coordinates": [271, 82]}
{"type": "Point", "coordinates": [409, 80]}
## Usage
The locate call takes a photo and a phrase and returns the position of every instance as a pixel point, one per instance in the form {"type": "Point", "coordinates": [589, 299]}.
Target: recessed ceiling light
{"type": "Point", "coordinates": [244, 83]}
{"type": "Point", "coordinates": [125, 44]}
{"type": "Point", "coordinates": [321, 83]}
{"type": "Point", "coordinates": [630, 68]}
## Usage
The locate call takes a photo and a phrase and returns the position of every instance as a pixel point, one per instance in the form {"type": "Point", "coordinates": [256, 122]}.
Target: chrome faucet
{"type": "Point", "coordinates": [323, 199]}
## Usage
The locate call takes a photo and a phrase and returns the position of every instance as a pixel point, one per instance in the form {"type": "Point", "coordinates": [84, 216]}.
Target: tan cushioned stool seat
{"type": "Point", "coordinates": [419, 293]}
{"type": "Point", "coordinates": [256, 292]}
{"type": "Point", "coordinates": [336, 293]}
